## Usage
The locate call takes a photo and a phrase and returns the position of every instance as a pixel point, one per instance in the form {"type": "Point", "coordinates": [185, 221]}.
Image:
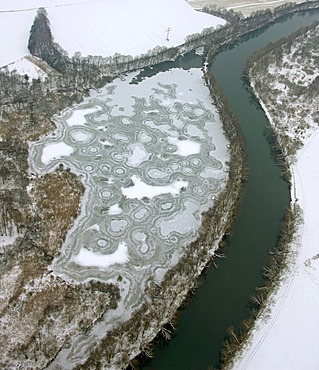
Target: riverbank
{"type": "Point", "coordinates": [147, 348]}
{"type": "Point", "coordinates": [286, 337]}
{"type": "Point", "coordinates": [285, 334]}
{"type": "Point", "coordinates": [157, 291]}
{"type": "Point", "coordinates": [134, 329]}
{"type": "Point", "coordinates": [246, 7]}
{"type": "Point", "coordinates": [142, 322]}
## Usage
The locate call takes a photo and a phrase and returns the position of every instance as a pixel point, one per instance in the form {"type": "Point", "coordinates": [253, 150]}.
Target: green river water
{"type": "Point", "coordinates": [222, 300]}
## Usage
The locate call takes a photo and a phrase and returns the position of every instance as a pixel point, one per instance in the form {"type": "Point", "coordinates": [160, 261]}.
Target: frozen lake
{"type": "Point", "coordinates": [152, 156]}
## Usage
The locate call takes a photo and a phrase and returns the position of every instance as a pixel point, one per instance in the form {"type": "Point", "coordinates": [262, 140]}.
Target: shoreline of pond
{"type": "Point", "coordinates": [182, 279]}
{"type": "Point", "coordinates": [292, 214]}
{"type": "Point", "coordinates": [288, 258]}
{"type": "Point", "coordinates": [148, 346]}
{"type": "Point", "coordinates": [224, 228]}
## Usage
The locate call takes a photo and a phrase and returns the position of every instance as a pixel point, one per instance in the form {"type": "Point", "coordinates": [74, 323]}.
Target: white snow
{"type": "Point", "coordinates": [101, 27]}
{"type": "Point", "coordinates": [9, 239]}
{"type": "Point", "coordinates": [23, 66]}
{"type": "Point", "coordinates": [138, 156]}
{"type": "Point", "coordinates": [55, 150]}
{"type": "Point", "coordinates": [286, 337]}
{"type": "Point", "coordinates": [252, 4]}
{"type": "Point", "coordinates": [289, 340]}
{"type": "Point", "coordinates": [140, 190]}
{"type": "Point", "coordinates": [95, 227]}
{"type": "Point", "coordinates": [185, 147]}
{"type": "Point", "coordinates": [115, 209]}
{"type": "Point", "coordinates": [126, 27]}
{"type": "Point", "coordinates": [77, 117]}
{"type": "Point", "coordinates": [89, 258]}
{"type": "Point", "coordinates": [14, 30]}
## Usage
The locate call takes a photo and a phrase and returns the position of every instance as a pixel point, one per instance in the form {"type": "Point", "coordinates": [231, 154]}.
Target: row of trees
{"type": "Point", "coordinates": [229, 15]}
{"type": "Point", "coordinates": [279, 261]}
{"type": "Point", "coordinates": [13, 196]}
{"type": "Point", "coordinates": [172, 291]}
{"type": "Point", "coordinates": [273, 51]}
{"type": "Point", "coordinates": [290, 116]}
{"type": "Point", "coordinates": [80, 72]}
{"type": "Point", "coordinates": [239, 26]}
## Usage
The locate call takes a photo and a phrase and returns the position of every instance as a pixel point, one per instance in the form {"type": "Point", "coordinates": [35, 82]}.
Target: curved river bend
{"type": "Point", "coordinates": [222, 300]}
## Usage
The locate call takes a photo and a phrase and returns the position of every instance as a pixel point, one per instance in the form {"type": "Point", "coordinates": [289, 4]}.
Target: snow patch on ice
{"type": "Point", "coordinates": [89, 258]}
{"type": "Point", "coordinates": [138, 156]}
{"type": "Point", "coordinates": [185, 147]}
{"type": "Point", "coordinates": [115, 209]}
{"type": "Point", "coordinates": [140, 190]}
{"type": "Point", "coordinates": [78, 116]}
{"type": "Point", "coordinates": [55, 150]}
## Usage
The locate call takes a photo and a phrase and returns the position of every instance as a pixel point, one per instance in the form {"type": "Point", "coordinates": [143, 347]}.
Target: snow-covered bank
{"type": "Point", "coordinates": [103, 27]}
{"type": "Point", "coordinates": [288, 339]}
{"type": "Point", "coordinates": [245, 7]}
{"type": "Point", "coordinates": [285, 337]}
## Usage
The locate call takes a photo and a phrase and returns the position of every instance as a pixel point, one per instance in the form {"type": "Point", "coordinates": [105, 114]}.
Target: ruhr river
{"type": "Point", "coordinates": [222, 300]}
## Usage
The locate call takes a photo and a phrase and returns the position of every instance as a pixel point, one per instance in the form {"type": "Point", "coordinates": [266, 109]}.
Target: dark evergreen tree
{"type": "Point", "coordinates": [41, 42]}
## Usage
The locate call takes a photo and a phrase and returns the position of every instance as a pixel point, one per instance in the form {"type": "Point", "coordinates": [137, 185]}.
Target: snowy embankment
{"type": "Point", "coordinates": [286, 337]}
{"type": "Point", "coordinates": [101, 27]}
{"type": "Point", "coordinates": [246, 7]}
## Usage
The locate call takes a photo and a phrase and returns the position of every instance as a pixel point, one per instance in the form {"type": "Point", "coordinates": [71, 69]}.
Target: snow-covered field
{"type": "Point", "coordinates": [101, 27]}
{"type": "Point", "coordinates": [244, 6]}
{"type": "Point", "coordinates": [288, 338]}
{"type": "Point", "coordinates": [24, 66]}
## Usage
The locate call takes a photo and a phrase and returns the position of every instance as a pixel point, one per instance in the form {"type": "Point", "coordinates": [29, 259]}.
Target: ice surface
{"type": "Point", "coordinates": [142, 190]}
